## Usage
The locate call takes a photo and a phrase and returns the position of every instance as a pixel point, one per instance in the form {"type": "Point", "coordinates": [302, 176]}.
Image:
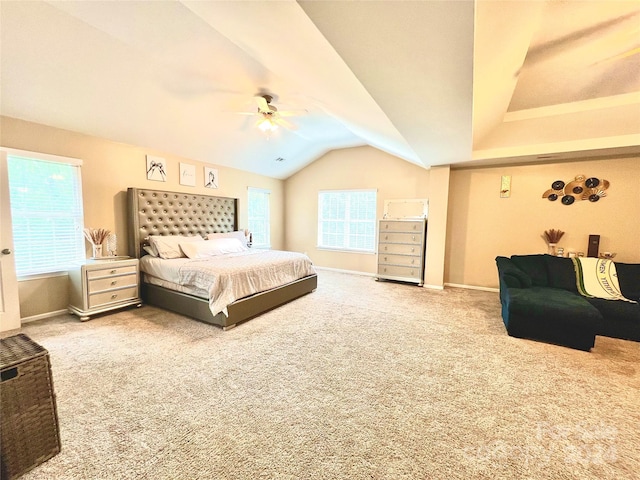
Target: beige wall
{"type": "Point", "coordinates": [479, 225]}
{"type": "Point", "coordinates": [351, 168]}
{"type": "Point", "coordinates": [482, 225]}
{"type": "Point", "coordinates": [109, 168]}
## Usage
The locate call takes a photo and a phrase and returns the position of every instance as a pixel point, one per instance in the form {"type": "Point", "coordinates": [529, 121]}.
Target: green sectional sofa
{"type": "Point", "coordinates": [540, 301]}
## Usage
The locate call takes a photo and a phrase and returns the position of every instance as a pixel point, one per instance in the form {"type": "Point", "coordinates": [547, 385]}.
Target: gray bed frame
{"type": "Point", "coordinates": [158, 212]}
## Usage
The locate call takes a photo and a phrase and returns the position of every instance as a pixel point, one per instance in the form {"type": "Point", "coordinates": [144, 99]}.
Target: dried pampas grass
{"type": "Point", "coordinates": [552, 236]}
{"type": "Point", "coordinates": [96, 236]}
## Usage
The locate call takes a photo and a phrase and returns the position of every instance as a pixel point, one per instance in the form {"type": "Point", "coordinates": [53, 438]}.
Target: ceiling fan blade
{"type": "Point", "coordinates": [292, 113]}
{"type": "Point", "coordinates": [263, 106]}
{"type": "Point", "coordinates": [285, 123]}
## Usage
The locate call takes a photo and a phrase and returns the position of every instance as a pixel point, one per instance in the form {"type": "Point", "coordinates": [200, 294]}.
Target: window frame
{"type": "Point", "coordinates": [373, 221]}
{"type": "Point", "coordinates": [266, 222]}
{"type": "Point", "coordinates": [81, 249]}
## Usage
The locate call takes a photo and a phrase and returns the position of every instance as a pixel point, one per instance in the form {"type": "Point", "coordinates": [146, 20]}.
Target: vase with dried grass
{"type": "Point", "coordinates": [552, 237]}
{"type": "Point", "coordinates": [96, 237]}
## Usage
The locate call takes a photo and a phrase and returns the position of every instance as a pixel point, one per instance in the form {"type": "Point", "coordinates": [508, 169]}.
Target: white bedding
{"type": "Point", "coordinates": [232, 276]}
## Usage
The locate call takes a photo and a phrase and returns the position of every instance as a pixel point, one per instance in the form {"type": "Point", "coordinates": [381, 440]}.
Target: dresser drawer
{"type": "Point", "coordinates": [399, 249]}
{"type": "Point", "coordinates": [391, 226]}
{"type": "Point", "coordinates": [410, 238]}
{"type": "Point", "coordinates": [400, 272]}
{"type": "Point", "coordinates": [407, 260]}
{"type": "Point", "coordinates": [107, 272]}
{"type": "Point", "coordinates": [112, 296]}
{"type": "Point", "coordinates": [115, 281]}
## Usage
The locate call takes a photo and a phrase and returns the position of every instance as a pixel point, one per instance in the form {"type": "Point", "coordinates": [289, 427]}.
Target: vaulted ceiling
{"type": "Point", "coordinates": [432, 82]}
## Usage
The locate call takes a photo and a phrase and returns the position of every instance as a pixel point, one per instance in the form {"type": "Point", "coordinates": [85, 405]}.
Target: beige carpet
{"type": "Point", "coordinates": [358, 380]}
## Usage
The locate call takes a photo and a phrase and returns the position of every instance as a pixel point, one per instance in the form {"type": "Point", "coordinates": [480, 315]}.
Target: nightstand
{"type": "Point", "coordinates": [100, 285]}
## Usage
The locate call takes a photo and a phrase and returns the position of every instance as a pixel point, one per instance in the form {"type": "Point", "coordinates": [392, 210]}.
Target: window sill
{"type": "Point", "coordinates": [346, 250]}
{"type": "Point", "coordinates": [40, 276]}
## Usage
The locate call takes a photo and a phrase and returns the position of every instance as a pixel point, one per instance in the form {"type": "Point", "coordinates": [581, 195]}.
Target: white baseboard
{"type": "Point", "coordinates": [472, 287]}
{"type": "Point", "coordinates": [33, 318]}
{"type": "Point", "coordinates": [352, 272]}
{"type": "Point", "coordinates": [432, 287]}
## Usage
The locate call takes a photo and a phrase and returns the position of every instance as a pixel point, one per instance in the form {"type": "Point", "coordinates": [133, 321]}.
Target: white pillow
{"type": "Point", "coordinates": [211, 248]}
{"type": "Point", "coordinates": [168, 246]}
{"type": "Point", "coordinates": [150, 250]}
{"type": "Point", "coordinates": [239, 234]}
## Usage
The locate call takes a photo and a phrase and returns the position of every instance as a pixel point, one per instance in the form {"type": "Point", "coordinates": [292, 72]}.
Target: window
{"type": "Point", "coordinates": [46, 212]}
{"type": "Point", "coordinates": [259, 217]}
{"type": "Point", "coordinates": [347, 220]}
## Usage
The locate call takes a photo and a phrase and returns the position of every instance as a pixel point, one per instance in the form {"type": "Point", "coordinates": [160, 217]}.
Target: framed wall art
{"type": "Point", "coordinates": [211, 179]}
{"type": "Point", "coordinates": [156, 168]}
{"type": "Point", "coordinates": [187, 174]}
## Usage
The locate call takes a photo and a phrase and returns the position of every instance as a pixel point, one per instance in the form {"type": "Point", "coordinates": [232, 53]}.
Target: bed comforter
{"type": "Point", "coordinates": [233, 276]}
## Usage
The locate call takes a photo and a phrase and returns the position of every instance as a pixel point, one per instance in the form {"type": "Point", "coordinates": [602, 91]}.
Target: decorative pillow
{"type": "Point", "coordinates": [629, 280]}
{"type": "Point", "coordinates": [239, 234]}
{"type": "Point", "coordinates": [561, 273]}
{"type": "Point", "coordinates": [168, 246]}
{"type": "Point", "coordinates": [211, 248]}
{"type": "Point", "coordinates": [150, 250]}
{"type": "Point", "coordinates": [534, 266]}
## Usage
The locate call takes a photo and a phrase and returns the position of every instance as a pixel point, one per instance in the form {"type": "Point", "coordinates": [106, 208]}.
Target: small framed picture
{"type": "Point", "coordinates": [156, 168]}
{"type": "Point", "coordinates": [211, 179]}
{"type": "Point", "coordinates": [187, 174]}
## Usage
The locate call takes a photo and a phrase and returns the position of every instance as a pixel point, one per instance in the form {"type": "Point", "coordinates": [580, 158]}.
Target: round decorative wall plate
{"type": "Point", "coordinates": [580, 188]}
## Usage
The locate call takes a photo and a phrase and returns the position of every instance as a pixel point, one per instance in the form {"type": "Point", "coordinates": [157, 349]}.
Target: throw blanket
{"type": "Point", "coordinates": [597, 278]}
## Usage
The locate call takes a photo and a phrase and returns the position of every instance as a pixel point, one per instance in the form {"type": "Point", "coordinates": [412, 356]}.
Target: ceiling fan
{"type": "Point", "coordinates": [270, 118]}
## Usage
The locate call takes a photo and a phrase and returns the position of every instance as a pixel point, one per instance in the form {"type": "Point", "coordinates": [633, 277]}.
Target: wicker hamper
{"type": "Point", "coordinates": [28, 417]}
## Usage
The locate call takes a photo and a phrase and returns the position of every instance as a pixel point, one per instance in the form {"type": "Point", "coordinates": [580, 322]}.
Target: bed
{"type": "Point", "coordinates": [153, 213]}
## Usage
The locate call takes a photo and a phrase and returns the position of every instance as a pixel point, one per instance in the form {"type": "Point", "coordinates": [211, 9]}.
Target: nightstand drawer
{"type": "Point", "coordinates": [107, 272]}
{"type": "Point", "coordinates": [112, 282]}
{"type": "Point", "coordinates": [112, 296]}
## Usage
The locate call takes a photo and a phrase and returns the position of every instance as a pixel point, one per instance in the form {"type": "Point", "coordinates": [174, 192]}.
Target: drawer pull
{"type": "Point", "coordinates": [413, 237]}
{"type": "Point", "coordinates": [113, 271]}
{"type": "Point", "coordinates": [115, 282]}
{"type": "Point", "coordinates": [413, 249]}
{"type": "Point", "coordinates": [115, 295]}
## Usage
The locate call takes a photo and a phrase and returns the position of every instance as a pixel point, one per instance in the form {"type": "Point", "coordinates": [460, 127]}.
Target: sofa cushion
{"type": "Point", "coordinates": [552, 315]}
{"type": "Point", "coordinates": [561, 273]}
{"type": "Point", "coordinates": [553, 303]}
{"type": "Point", "coordinates": [534, 266]}
{"type": "Point", "coordinates": [629, 280]}
{"type": "Point", "coordinates": [511, 274]}
{"type": "Point", "coordinates": [621, 319]}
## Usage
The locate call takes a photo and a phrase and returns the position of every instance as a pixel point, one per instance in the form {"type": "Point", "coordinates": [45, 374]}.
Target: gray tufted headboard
{"type": "Point", "coordinates": [156, 212]}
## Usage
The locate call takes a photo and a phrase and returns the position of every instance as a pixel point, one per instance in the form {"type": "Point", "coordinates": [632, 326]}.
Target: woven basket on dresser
{"type": "Point", "coordinates": [28, 416]}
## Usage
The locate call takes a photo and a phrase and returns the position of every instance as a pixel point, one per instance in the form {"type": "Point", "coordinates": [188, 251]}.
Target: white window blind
{"type": "Point", "coordinates": [259, 217]}
{"type": "Point", "coordinates": [46, 212]}
{"type": "Point", "coordinates": [347, 220]}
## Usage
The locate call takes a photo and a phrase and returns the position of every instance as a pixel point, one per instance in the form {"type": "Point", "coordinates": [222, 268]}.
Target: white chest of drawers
{"type": "Point", "coordinates": [401, 250]}
{"type": "Point", "coordinates": [97, 286]}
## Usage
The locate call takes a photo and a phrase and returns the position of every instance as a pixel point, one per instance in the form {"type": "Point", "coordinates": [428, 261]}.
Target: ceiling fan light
{"type": "Point", "coordinates": [267, 125]}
